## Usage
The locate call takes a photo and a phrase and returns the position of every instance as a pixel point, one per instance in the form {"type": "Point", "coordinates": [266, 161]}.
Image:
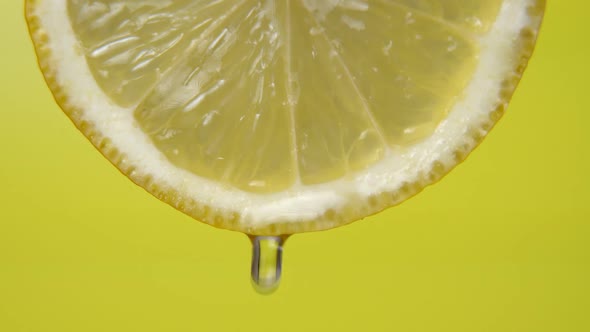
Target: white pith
{"type": "Point", "coordinates": [299, 202]}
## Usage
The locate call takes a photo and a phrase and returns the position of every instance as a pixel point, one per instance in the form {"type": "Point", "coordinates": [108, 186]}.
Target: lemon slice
{"type": "Point", "coordinates": [277, 117]}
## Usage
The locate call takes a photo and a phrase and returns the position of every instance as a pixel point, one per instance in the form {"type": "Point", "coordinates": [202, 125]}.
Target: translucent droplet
{"type": "Point", "coordinates": [267, 259]}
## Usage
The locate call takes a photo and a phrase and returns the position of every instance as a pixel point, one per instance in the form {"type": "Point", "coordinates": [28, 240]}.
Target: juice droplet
{"type": "Point", "coordinates": [267, 259]}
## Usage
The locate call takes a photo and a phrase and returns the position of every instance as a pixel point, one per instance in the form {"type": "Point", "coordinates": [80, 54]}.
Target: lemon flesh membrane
{"type": "Point", "coordinates": [263, 94]}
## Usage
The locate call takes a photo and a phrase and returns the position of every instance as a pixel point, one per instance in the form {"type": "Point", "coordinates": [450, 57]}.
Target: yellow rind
{"type": "Point", "coordinates": [360, 209]}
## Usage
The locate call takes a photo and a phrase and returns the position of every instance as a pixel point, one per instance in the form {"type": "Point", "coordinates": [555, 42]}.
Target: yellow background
{"type": "Point", "coordinates": [501, 244]}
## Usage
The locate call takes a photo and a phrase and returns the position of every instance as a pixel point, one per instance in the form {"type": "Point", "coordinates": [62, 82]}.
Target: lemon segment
{"type": "Point", "coordinates": [407, 66]}
{"type": "Point", "coordinates": [222, 111]}
{"type": "Point", "coordinates": [335, 130]}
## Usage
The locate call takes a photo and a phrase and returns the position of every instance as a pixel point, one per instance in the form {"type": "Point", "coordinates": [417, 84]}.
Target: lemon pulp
{"type": "Point", "coordinates": [263, 95]}
{"type": "Point", "coordinates": [278, 117]}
